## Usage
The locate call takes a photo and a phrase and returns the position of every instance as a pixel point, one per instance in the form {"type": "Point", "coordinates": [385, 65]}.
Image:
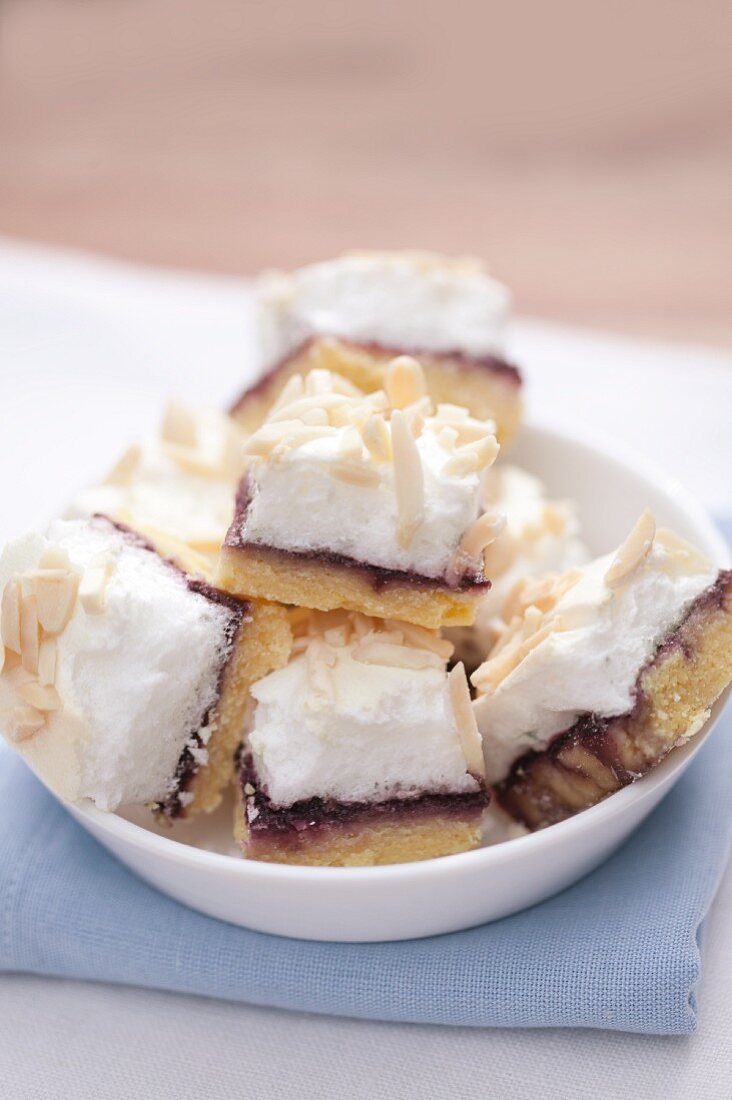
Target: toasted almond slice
{"type": "Point", "coordinates": [363, 476]}
{"type": "Point", "coordinates": [682, 556]}
{"type": "Point", "coordinates": [422, 638]}
{"type": "Point", "coordinates": [47, 654]}
{"type": "Point", "coordinates": [184, 555]}
{"type": "Point", "coordinates": [405, 382]}
{"type": "Point", "coordinates": [633, 552]}
{"type": "Point", "coordinates": [319, 382]}
{"type": "Point", "coordinates": [92, 589]}
{"type": "Point", "coordinates": [295, 410]}
{"type": "Point", "coordinates": [473, 431]}
{"type": "Point", "coordinates": [292, 390]}
{"type": "Point", "coordinates": [362, 624]}
{"type": "Point", "coordinates": [447, 437]}
{"type": "Point", "coordinates": [23, 722]}
{"type": "Point", "coordinates": [54, 557]}
{"type": "Point", "coordinates": [179, 426]}
{"type": "Point", "coordinates": [56, 591]}
{"type": "Point", "coordinates": [43, 697]}
{"type": "Point", "coordinates": [124, 468]}
{"type": "Point", "coordinates": [417, 414]}
{"type": "Point", "coordinates": [350, 446]}
{"type": "Point", "coordinates": [480, 534]}
{"type": "Point", "coordinates": [467, 727]}
{"type": "Point", "coordinates": [10, 615]}
{"type": "Point", "coordinates": [460, 465]}
{"type": "Point", "coordinates": [394, 636]}
{"type": "Point", "coordinates": [315, 418]}
{"type": "Point", "coordinates": [395, 656]}
{"type": "Point", "coordinates": [485, 450]}
{"type": "Point", "coordinates": [408, 479]}
{"type": "Point", "coordinates": [376, 437]}
{"type": "Point", "coordinates": [336, 636]}
{"type": "Point", "coordinates": [29, 633]}
{"type": "Point", "coordinates": [452, 414]}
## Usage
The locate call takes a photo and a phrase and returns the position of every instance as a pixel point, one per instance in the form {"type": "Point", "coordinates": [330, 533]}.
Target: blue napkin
{"type": "Point", "coordinates": [619, 950]}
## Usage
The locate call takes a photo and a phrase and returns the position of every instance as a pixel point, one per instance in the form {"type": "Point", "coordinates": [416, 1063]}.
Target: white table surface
{"type": "Point", "coordinates": [136, 336]}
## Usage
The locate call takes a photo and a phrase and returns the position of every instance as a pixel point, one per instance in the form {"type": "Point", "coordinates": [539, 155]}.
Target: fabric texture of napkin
{"type": "Point", "coordinates": [619, 950]}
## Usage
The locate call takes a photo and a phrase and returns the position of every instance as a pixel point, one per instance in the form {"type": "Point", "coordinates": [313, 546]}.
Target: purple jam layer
{"type": "Point", "coordinates": [492, 363]}
{"type": "Point", "coordinates": [318, 816]}
{"type": "Point", "coordinates": [379, 577]}
{"type": "Point", "coordinates": [594, 732]}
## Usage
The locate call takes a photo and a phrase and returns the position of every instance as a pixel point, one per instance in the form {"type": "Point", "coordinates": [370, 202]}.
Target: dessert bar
{"type": "Point", "coordinates": [124, 680]}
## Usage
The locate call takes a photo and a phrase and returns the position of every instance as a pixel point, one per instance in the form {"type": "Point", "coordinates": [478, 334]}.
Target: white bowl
{"type": "Point", "coordinates": [198, 865]}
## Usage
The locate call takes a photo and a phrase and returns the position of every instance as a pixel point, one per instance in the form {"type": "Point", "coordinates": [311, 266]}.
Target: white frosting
{"type": "Point", "coordinates": [591, 668]}
{"type": "Point", "coordinates": [410, 301]}
{"type": "Point", "coordinates": [135, 680]}
{"type": "Point", "coordinates": [386, 733]}
{"type": "Point", "coordinates": [160, 493]}
{"type": "Point", "coordinates": [299, 505]}
{"type": "Point", "coordinates": [540, 549]}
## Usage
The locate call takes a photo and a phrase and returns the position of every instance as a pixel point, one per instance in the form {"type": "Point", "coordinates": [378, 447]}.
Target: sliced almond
{"type": "Point", "coordinates": [460, 465]}
{"type": "Point", "coordinates": [43, 697]}
{"type": "Point", "coordinates": [319, 382]}
{"type": "Point", "coordinates": [47, 654]}
{"type": "Point", "coordinates": [56, 591]}
{"type": "Point", "coordinates": [467, 727]}
{"type": "Point", "coordinates": [291, 391]}
{"type": "Point", "coordinates": [124, 469]}
{"type": "Point", "coordinates": [485, 450]}
{"type": "Point", "coordinates": [321, 659]}
{"type": "Point", "coordinates": [633, 552]}
{"type": "Point", "coordinates": [376, 437]}
{"type": "Point", "coordinates": [422, 638]}
{"type": "Point", "coordinates": [10, 614]}
{"type": "Point", "coordinates": [408, 479]}
{"type": "Point", "coordinates": [296, 409]}
{"type": "Point", "coordinates": [447, 438]}
{"type": "Point", "coordinates": [179, 425]}
{"type": "Point", "coordinates": [92, 589]}
{"type": "Point", "coordinates": [363, 476]}
{"type": "Point", "coordinates": [23, 722]}
{"type": "Point", "coordinates": [405, 382]}
{"type": "Point", "coordinates": [29, 633]}
{"type": "Point", "coordinates": [481, 534]}
{"type": "Point", "coordinates": [350, 446]}
{"type": "Point", "coordinates": [395, 656]}
{"type": "Point", "coordinates": [416, 415]}
{"type": "Point", "coordinates": [682, 557]}
{"type": "Point", "coordinates": [451, 414]}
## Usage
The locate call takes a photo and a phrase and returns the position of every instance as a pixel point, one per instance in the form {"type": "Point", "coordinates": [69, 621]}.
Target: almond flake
{"type": "Point", "coordinates": [291, 391]}
{"type": "Point", "coordinates": [395, 656]}
{"type": "Point", "coordinates": [23, 722]}
{"type": "Point", "coordinates": [47, 654]}
{"type": "Point", "coordinates": [376, 437]}
{"type": "Point", "coordinates": [363, 476]}
{"type": "Point", "coordinates": [408, 479]}
{"type": "Point", "coordinates": [56, 591]}
{"type": "Point", "coordinates": [633, 552]}
{"type": "Point", "coordinates": [318, 382]}
{"type": "Point", "coordinates": [179, 425]}
{"type": "Point", "coordinates": [485, 450]}
{"type": "Point", "coordinates": [460, 465]}
{"type": "Point", "coordinates": [43, 697]}
{"type": "Point", "coordinates": [10, 615]}
{"type": "Point", "coordinates": [405, 382]}
{"type": "Point", "coordinates": [473, 431]}
{"type": "Point", "coordinates": [467, 727]}
{"type": "Point", "coordinates": [480, 534]}
{"type": "Point", "coordinates": [452, 414]}
{"type": "Point", "coordinates": [92, 589]}
{"type": "Point", "coordinates": [296, 409]}
{"type": "Point", "coordinates": [124, 469]}
{"type": "Point", "coordinates": [422, 638]}
{"type": "Point", "coordinates": [350, 446]}
{"type": "Point", "coordinates": [681, 557]}
{"type": "Point", "coordinates": [447, 437]}
{"type": "Point", "coordinates": [29, 633]}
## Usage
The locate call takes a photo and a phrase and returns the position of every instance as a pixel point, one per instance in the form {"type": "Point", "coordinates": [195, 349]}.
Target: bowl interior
{"type": "Point", "coordinates": [611, 486]}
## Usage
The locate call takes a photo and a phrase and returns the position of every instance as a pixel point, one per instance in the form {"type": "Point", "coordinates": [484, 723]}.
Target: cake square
{"type": "Point", "coordinates": [370, 502]}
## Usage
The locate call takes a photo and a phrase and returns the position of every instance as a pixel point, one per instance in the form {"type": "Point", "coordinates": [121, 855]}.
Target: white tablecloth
{"type": "Point", "coordinates": [73, 329]}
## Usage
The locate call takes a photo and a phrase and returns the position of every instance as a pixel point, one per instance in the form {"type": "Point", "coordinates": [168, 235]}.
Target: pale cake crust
{"type": "Point", "coordinates": [596, 757]}
{"type": "Point", "coordinates": [285, 577]}
{"type": "Point", "coordinates": [489, 388]}
{"type": "Point", "coordinates": [364, 843]}
{"type": "Point", "coordinates": [263, 644]}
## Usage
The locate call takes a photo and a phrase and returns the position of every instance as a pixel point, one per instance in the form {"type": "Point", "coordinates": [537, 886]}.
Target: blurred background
{"type": "Point", "coordinates": [583, 148]}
